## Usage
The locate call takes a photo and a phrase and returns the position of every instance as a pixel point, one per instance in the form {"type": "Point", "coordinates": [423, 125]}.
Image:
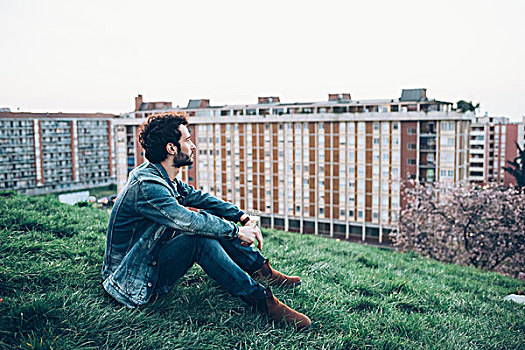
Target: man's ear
{"type": "Point", "coordinates": [171, 149]}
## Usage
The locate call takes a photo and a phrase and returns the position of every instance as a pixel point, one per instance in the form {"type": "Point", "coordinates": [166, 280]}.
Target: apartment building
{"type": "Point", "coordinates": [332, 167]}
{"type": "Point", "coordinates": [492, 144]}
{"type": "Point", "coordinates": [53, 152]}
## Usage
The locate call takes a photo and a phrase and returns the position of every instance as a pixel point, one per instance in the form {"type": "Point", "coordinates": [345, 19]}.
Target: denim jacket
{"type": "Point", "coordinates": [147, 212]}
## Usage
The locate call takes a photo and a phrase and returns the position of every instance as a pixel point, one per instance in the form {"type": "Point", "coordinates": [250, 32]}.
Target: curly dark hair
{"type": "Point", "coordinates": [158, 131]}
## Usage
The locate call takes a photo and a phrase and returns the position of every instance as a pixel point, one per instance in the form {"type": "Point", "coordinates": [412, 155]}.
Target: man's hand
{"type": "Point", "coordinates": [248, 235]}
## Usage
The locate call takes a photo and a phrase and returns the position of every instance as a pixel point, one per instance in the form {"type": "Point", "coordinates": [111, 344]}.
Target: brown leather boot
{"type": "Point", "coordinates": [273, 277]}
{"type": "Point", "coordinates": [278, 311]}
{"type": "Point", "coordinates": [264, 301]}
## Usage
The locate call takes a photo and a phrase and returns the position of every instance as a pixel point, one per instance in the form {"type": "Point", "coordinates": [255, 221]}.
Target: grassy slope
{"type": "Point", "coordinates": [357, 296]}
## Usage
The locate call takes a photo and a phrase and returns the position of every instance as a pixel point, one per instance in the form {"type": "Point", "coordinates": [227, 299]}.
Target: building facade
{"type": "Point", "coordinates": [45, 152]}
{"type": "Point", "coordinates": [333, 167]}
{"type": "Point", "coordinates": [492, 144]}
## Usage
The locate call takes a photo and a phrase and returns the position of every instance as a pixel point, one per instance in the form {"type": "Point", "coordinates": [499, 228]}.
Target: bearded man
{"type": "Point", "coordinates": [153, 238]}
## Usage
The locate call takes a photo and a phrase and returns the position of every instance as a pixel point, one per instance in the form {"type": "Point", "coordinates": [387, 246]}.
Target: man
{"type": "Point", "coordinates": [153, 239]}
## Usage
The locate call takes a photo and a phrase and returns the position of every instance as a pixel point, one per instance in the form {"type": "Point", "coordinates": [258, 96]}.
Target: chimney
{"type": "Point", "coordinates": [339, 97]}
{"type": "Point", "coordinates": [272, 99]}
{"type": "Point", "coordinates": [138, 102]}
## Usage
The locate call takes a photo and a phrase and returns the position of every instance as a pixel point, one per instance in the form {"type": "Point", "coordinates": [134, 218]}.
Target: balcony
{"type": "Point", "coordinates": [427, 133]}
{"type": "Point", "coordinates": [427, 129]}
{"type": "Point", "coordinates": [427, 165]}
{"type": "Point", "coordinates": [427, 148]}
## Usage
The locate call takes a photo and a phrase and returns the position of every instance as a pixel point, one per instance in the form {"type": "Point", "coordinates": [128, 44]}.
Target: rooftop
{"type": "Point", "coordinates": [28, 115]}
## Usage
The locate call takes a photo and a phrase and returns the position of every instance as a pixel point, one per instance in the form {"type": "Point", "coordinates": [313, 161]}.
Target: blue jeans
{"type": "Point", "coordinates": [225, 260]}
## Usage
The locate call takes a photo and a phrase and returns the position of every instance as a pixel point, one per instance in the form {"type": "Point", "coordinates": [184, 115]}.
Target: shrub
{"type": "Point", "coordinates": [484, 227]}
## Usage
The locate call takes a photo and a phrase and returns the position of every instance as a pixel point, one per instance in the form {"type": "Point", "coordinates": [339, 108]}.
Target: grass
{"type": "Point", "coordinates": [357, 296]}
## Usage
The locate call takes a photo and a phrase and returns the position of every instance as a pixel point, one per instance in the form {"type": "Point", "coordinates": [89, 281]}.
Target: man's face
{"type": "Point", "coordinates": [187, 149]}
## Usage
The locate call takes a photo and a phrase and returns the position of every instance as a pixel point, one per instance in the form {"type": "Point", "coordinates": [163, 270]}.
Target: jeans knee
{"type": "Point", "coordinates": [209, 247]}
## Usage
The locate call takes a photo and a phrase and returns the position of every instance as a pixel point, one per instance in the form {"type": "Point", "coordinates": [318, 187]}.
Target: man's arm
{"type": "Point", "coordinates": [201, 200]}
{"type": "Point", "coordinates": [155, 202]}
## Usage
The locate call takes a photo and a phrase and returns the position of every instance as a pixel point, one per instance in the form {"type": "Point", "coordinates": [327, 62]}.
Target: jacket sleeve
{"type": "Point", "coordinates": [201, 200]}
{"type": "Point", "coordinates": [156, 202]}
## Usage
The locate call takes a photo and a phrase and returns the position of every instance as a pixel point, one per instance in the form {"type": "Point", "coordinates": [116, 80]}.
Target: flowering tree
{"type": "Point", "coordinates": [484, 227]}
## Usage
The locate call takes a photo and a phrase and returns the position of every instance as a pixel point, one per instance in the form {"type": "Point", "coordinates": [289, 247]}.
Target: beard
{"type": "Point", "coordinates": [182, 159]}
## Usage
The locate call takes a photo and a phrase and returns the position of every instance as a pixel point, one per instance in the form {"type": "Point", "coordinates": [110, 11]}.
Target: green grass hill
{"type": "Point", "coordinates": [358, 297]}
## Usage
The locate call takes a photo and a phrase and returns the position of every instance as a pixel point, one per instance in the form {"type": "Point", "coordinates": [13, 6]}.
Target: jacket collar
{"type": "Point", "coordinates": [175, 184]}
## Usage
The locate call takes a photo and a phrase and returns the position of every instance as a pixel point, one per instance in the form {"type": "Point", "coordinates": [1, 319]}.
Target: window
{"type": "Point", "coordinates": [446, 157]}
{"type": "Point", "coordinates": [411, 131]}
{"type": "Point", "coordinates": [411, 161]}
{"type": "Point", "coordinates": [411, 145]}
{"type": "Point", "coordinates": [395, 187]}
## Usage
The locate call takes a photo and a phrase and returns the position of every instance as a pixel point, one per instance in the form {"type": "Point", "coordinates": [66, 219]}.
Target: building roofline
{"type": "Point", "coordinates": [299, 104]}
{"type": "Point", "coordinates": [320, 117]}
{"type": "Point", "coordinates": [25, 115]}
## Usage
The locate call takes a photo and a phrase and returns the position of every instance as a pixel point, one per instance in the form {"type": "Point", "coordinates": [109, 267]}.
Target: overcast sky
{"type": "Point", "coordinates": [96, 56]}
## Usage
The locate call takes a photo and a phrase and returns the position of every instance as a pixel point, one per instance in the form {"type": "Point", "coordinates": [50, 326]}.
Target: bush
{"type": "Point", "coordinates": [484, 227]}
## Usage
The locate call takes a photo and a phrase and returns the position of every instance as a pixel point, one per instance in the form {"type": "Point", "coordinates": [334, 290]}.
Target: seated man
{"type": "Point", "coordinates": [153, 239]}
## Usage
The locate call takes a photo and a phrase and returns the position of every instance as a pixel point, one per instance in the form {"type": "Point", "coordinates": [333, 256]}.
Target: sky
{"type": "Point", "coordinates": [96, 56]}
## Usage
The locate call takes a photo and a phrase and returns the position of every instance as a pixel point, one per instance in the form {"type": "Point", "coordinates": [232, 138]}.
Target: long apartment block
{"type": "Point", "coordinates": [332, 167]}
{"type": "Point", "coordinates": [492, 144]}
{"type": "Point", "coordinates": [53, 152]}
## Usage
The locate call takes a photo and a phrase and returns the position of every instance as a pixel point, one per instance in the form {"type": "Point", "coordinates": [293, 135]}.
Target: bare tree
{"type": "Point", "coordinates": [484, 227]}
